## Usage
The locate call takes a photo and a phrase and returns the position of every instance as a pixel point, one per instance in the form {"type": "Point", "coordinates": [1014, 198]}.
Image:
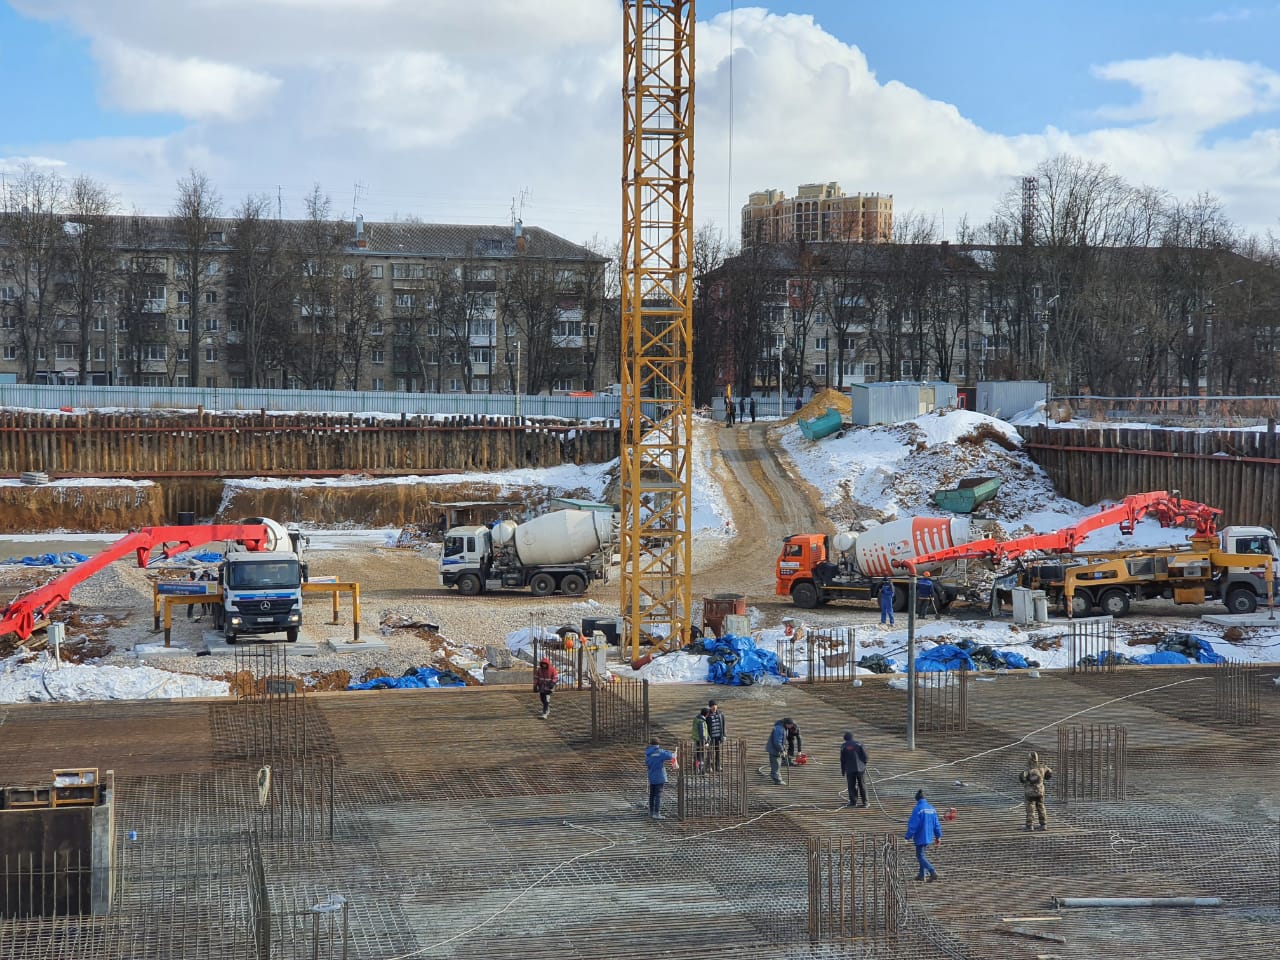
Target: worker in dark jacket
{"type": "Point", "coordinates": [544, 681]}
{"type": "Point", "coordinates": [715, 733]}
{"type": "Point", "coordinates": [926, 595]}
{"type": "Point", "coordinates": [776, 748]}
{"type": "Point", "coordinates": [853, 764]}
{"type": "Point", "coordinates": [924, 830]}
{"type": "Point", "coordinates": [1032, 780]}
{"type": "Point", "coordinates": [700, 736]}
{"type": "Point", "coordinates": [795, 744]}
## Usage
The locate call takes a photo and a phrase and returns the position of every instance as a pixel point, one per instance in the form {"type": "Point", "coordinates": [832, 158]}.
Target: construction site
{"type": "Point", "coordinates": [274, 728]}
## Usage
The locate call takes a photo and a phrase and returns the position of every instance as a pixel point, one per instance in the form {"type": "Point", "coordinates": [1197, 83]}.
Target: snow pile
{"type": "Point", "coordinates": [42, 681]}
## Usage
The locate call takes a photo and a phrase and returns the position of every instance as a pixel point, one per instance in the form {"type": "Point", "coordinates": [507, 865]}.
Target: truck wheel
{"type": "Point", "coordinates": [468, 584]}
{"type": "Point", "coordinates": [573, 585]}
{"type": "Point", "coordinates": [901, 598]}
{"type": "Point", "coordinates": [542, 585]}
{"type": "Point", "coordinates": [1114, 603]}
{"type": "Point", "coordinates": [291, 635]}
{"type": "Point", "coordinates": [946, 598]}
{"type": "Point", "coordinates": [1081, 604]}
{"type": "Point", "coordinates": [230, 637]}
{"type": "Point", "coordinates": [1242, 600]}
{"type": "Point", "coordinates": [804, 595]}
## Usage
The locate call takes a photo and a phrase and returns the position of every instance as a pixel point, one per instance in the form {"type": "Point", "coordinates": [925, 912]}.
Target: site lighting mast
{"type": "Point", "coordinates": [657, 318]}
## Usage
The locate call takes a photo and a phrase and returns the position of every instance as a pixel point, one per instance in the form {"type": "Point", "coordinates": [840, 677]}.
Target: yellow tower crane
{"type": "Point", "coordinates": [657, 320]}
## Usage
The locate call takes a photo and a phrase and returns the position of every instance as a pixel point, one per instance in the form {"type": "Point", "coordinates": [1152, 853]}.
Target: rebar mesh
{"type": "Point", "coordinates": [1236, 685]}
{"type": "Point", "coordinates": [1091, 643]}
{"type": "Point", "coordinates": [712, 781]}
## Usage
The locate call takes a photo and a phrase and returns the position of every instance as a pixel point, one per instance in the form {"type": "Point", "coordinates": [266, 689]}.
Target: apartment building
{"type": "Point", "coordinates": [818, 212]}
{"type": "Point", "coordinates": [299, 304]}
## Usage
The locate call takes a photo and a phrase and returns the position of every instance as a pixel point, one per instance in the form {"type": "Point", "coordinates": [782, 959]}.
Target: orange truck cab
{"type": "Point", "coordinates": [807, 575]}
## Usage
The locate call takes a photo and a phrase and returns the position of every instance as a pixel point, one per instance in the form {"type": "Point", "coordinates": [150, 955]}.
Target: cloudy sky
{"type": "Point", "coordinates": [455, 112]}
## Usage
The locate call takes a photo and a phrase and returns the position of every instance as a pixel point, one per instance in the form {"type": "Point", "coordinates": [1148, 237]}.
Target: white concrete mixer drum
{"type": "Point", "coordinates": [843, 542]}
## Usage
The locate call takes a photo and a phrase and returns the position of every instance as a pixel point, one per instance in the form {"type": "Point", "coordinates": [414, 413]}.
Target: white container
{"type": "Point", "coordinates": [876, 551]}
{"type": "Point", "coordinates": [564, 536]}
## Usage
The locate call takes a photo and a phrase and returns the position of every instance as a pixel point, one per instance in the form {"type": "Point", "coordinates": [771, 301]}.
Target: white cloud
{"type": "Point", "coordinates": [147, 81]}
{"type": "Point", "coordinates": [448, 110]}
{"type": "Point", "coordinates": [1197, 93]}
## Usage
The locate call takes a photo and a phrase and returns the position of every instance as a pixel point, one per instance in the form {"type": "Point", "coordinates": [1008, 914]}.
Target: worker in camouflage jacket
{"type": "Point", "coordinates": [1033, 779]}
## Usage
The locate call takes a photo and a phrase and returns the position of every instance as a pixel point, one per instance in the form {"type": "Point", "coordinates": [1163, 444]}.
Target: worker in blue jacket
{"type": "Point", "coordinates": [656, 759]}
{"type": "Point", "coordinates": [927, 598]}
{"type": "Point", "coordinates": [923, 829]}
{"type": "Point", "coordinates": [886, 603]}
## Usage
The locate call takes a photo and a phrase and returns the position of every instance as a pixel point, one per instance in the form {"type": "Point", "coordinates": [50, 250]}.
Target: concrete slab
{"type": "Point", "coordinates": [347, 645]}
{"type": "Point", "coordinates": [158, 651]}
{"type": "Point", "coordinates": [219, 647]}
{"type": "Point", "coordinates": [1259, 618]}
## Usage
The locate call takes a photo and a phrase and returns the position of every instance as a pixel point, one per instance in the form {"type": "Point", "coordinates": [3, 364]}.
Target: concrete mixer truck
{"type": "Point", "coordinates": [561, 551]}
{"type": "Point", "coordinates": [814, 568]}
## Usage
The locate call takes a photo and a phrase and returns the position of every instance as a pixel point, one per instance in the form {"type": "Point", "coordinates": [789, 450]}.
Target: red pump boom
{"type": "Point", "coordinates": [1169, 510]}
{"type": "Point", "coordinates": [21, 615]}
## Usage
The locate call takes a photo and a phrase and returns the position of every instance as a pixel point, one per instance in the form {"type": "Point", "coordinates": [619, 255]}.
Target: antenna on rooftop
{"type": "Point", "coordinates": [357, 190]}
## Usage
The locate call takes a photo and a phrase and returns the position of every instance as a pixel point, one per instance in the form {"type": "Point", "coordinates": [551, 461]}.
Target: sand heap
{"type": "Point", "coordinates": [827, 397]}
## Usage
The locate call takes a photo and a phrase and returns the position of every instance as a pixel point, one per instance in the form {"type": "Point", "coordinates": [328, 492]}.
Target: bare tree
{"type": "Point", "coordinates": [317, 345]}
{"type": "Point", "coordinates": [196, 213]}
{"type": "Point", "coordinates": [93, 266]}
{"type": "Point", "coordinates": [262, 275]}
{"type": "Point", "coordinates": [143, 335]}
{"type": "Point", "coordinates": [35, 240]}
{"type": "Point", "coordinates": [710, 356]}
{"type": "Point", "coordinates": [361, 320]}
{"type": "Point", "coordinates": [531, 302]}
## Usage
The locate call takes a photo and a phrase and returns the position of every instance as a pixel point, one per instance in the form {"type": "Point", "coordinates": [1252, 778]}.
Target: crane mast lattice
{"type": "Point", "coordinates": [657, 318]}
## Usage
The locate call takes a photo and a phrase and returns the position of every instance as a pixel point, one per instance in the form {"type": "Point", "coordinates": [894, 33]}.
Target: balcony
{"type": "Point", "coordinates": [408, 283]}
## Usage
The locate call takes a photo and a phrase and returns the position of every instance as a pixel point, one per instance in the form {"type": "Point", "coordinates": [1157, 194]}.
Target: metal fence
{"type": "Point", "coordinates": [57, 884]}
{"type": "Point", "coordinates": [1091, 643]}
{"type": "Point", "coordinates": [854, 888]}
{"type": "Point", "coordinates": [712, 780]}
{"type": "Point", "coordinates": [942, 701]}
{"type": "Point", "coordinates": [1236, 698]}
{"type": "Point", "coordinates": [1092, 762]}
{"type": "Point", "coordinates": [51, 397]}
{"type": "Point", "coordinates": [620, 710]}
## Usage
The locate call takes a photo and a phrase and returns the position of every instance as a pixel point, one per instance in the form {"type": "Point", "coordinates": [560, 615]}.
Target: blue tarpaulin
{"type": "Point", "coordinates": [945, 656]}
{"type": "Point", "coordinates": [418, 678]}
{"type": "Point", "coordinates": [1191, 647]}
{"type": "Point", "coordinates": [737, 660]}
{"type": "Point", "coordinates": [68, 559]}
{"type": "Point", "coordinates": [1162, 656]}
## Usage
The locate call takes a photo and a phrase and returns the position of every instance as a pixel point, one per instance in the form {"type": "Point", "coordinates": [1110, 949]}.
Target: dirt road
{"type": "Point", "coordinates": [767, 504]}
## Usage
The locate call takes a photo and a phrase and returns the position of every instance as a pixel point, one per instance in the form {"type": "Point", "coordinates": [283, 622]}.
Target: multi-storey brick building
{"type": "Point", "coordinates": [818, 212]}
{"type": "Point", "coordinates": [381, 306]}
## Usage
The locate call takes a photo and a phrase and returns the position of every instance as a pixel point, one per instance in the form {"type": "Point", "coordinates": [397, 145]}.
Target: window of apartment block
{"type": "Point", "coordinates": [183, 323]}
{"type": "Point", "coordinates": [184, 297]}
{"type": "Point", "coordinates": [211, 268]}
{"type": "Point", "coordinates": [211, 324]}
{"type": "Point", "coordinates": [375, 328]}
{"type": "Point", "coordinates": [10, 351]}
{"type": "Point", "coordinates": [348, 272]}
{"type": "Point", "coordinates": [65, 351]}
{"type": "Point", "coordinates": [455, 385]}
{"type": "Point", "coordinates": [375, 271]}
{"type": "Point", "coordinates": [211, 383]}
{"type": "Point", "coordinates": [181, 270]}
{"type": "Point", "coordinates": [99, 322]}
{"type": "Point", "coordinates": [432, 329]}
{"type": "Point", "coordinates": [377, 356]}
{"type": "Point", "coordinates": [8, 321]}
{"type": "Point", "coordinates": [408, 271]}
{"type": "Point", "coordinates": [210, 354]}
{"type": "Point", "coordinates": [377, 384]}
{"type": "Point", "coordinates": [379, 300]}
{"type": "Point", "coordinates": [211, 296]}
{"type": "Point", "coordinates": [565, 384]}
{"type": "Point", "coordinates": [239, 383]}
{"type": "Point", "coordinates": [100, 354]}
{"type": "Point", "coordinates": [479, 384]}
{"type": "Point", "coordinates": [481, 355]}
{"type": "Point", "coordinates": [42, 354]}
{"type": "Point", "coordinates": [155, 351]}
{"type": "Point", "coordinates": [405, 299]}
{"type": "Point", "coordinates": [819, 369]}
{"type": "Point", "coordinates": [8, 294]}
{"type": "Point", "coordinates": [819, 343]}
{"type": "Point", "coordinates": [156, 380]}
{"type": "Point", "coordinates": [184, 354]}
{"type": "Point", "coordinates": [869, 371]}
